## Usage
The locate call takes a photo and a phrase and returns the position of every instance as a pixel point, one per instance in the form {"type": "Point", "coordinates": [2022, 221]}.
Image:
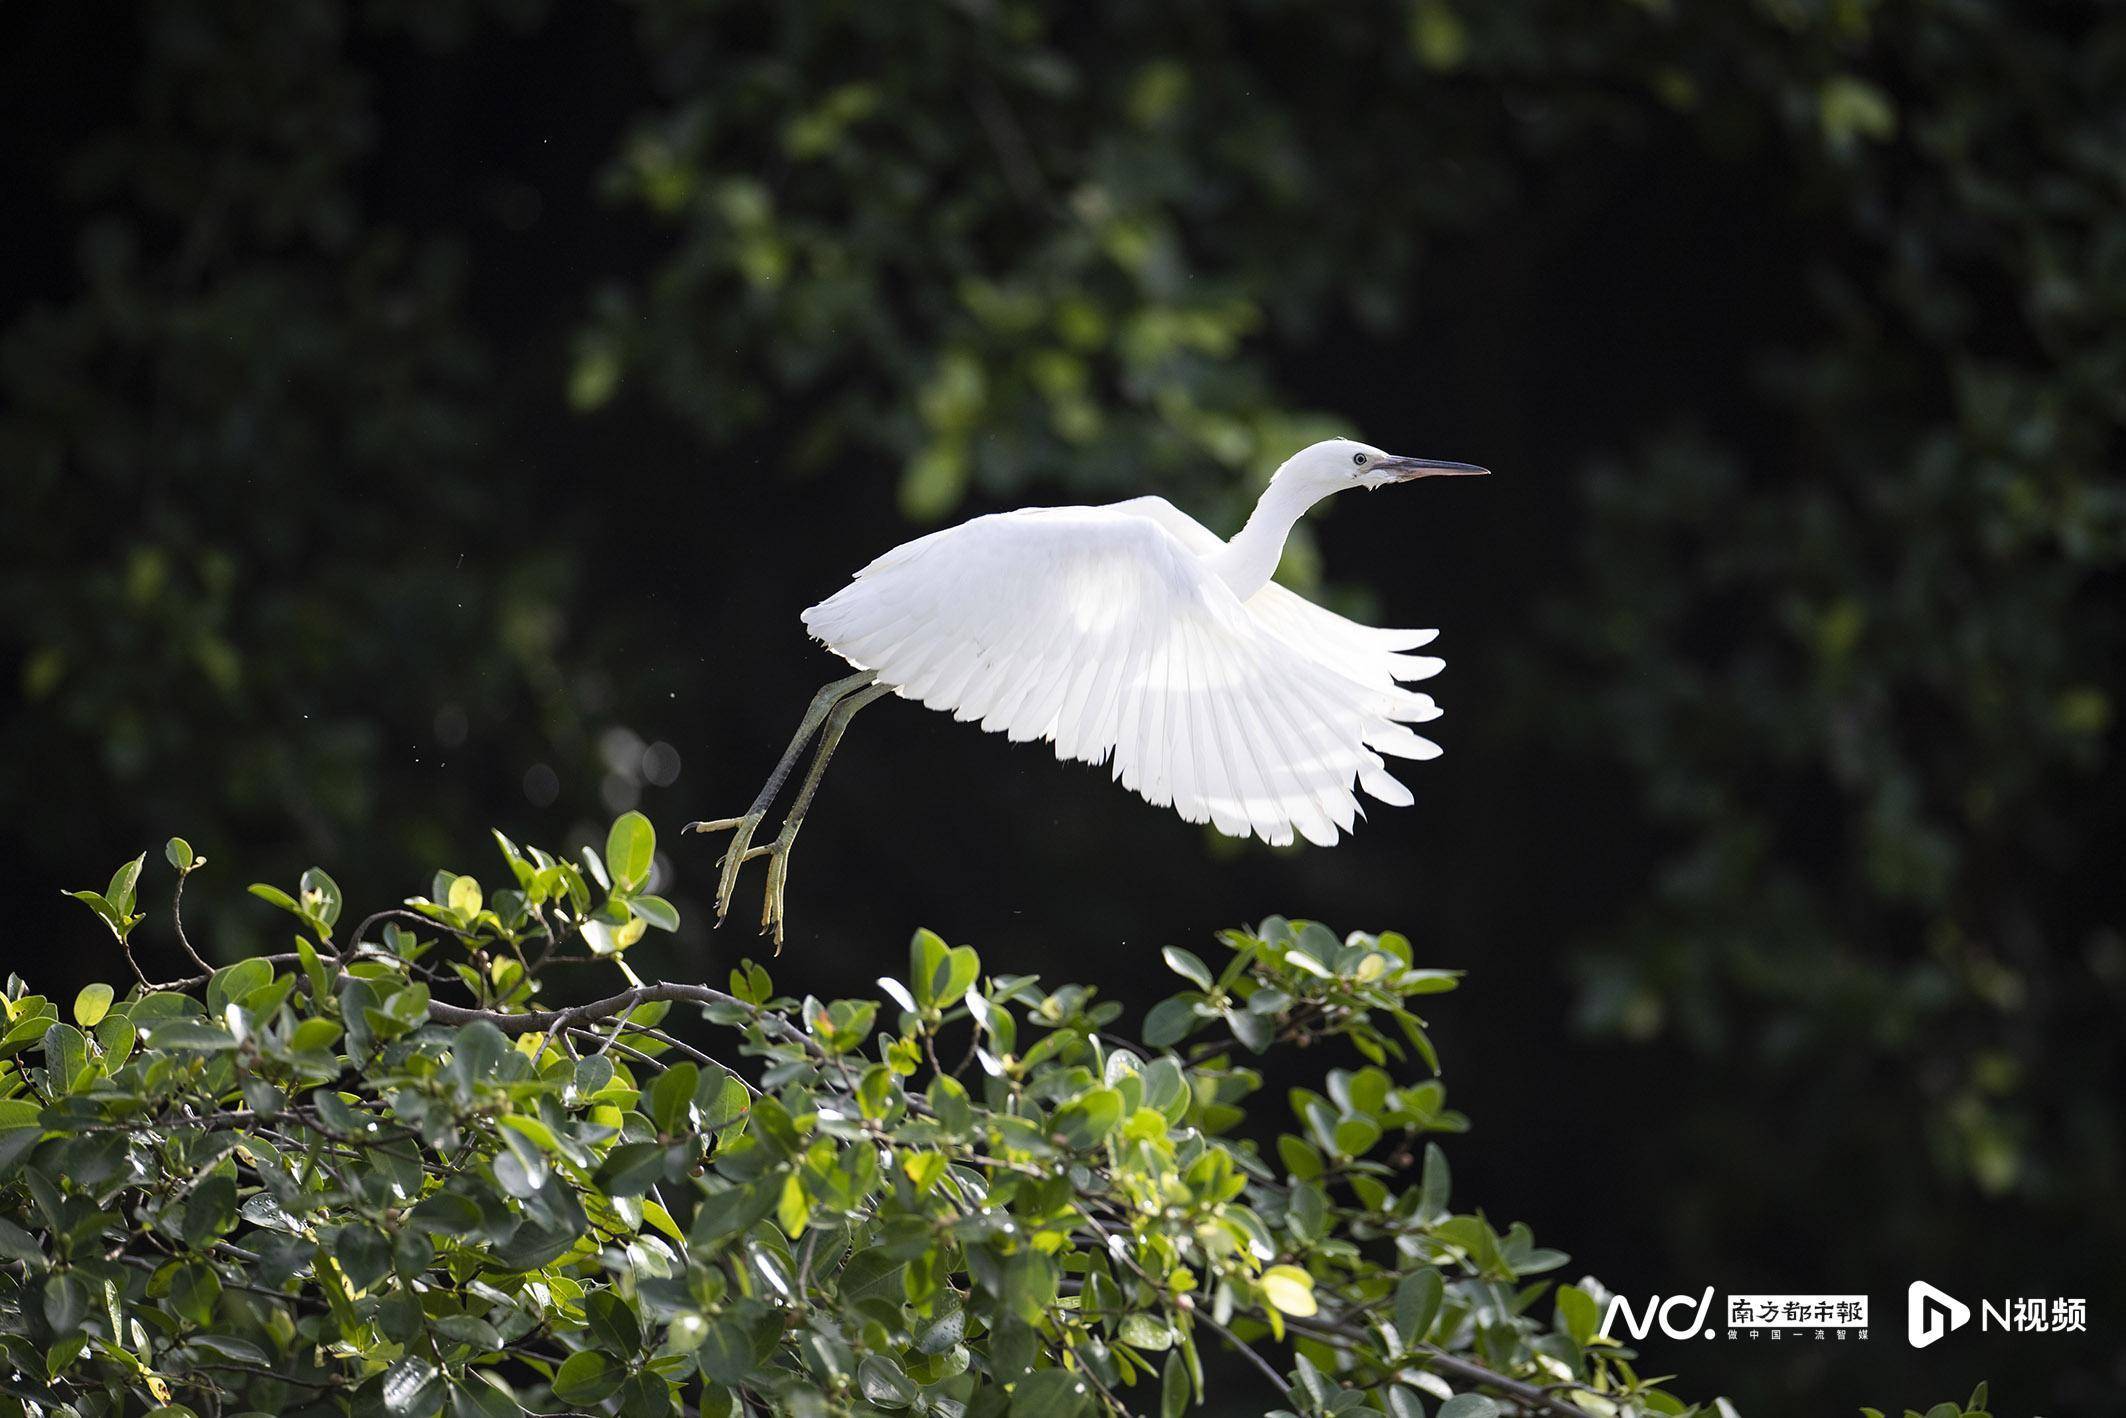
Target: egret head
{"type": "Point", "coordinates": [1338, 463]}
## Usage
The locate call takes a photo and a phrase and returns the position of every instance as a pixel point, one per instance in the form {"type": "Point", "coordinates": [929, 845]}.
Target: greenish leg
{"type": "Point", "coordinates": [742, 849]}
{"type": "Point", "coordinates": [771, 910]}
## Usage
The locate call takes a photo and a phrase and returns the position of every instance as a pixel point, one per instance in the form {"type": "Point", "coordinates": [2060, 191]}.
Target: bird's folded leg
{"type": "Point", "coordinates": [742, 829]}
{"type": "Point", "coordinates": [778, 851]}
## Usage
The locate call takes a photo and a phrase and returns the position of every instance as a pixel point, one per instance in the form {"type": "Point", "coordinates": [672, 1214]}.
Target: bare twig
{"type": "Point", "coordinates": [177, 918]}
{"type": "Point", "coordinates": [1233, 1340]}
{"type": "Point", "coordinates": [1247, 1351]}
{"type": "Point", "coordinates": [127, 946]}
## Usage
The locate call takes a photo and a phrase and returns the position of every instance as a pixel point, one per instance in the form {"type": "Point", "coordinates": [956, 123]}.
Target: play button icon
{"type": "Point", "coordinates": [1932, 1313]}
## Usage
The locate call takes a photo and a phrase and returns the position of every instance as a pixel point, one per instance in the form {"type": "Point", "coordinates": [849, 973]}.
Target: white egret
{"type": "Point", "coordinates": [1130, 634]}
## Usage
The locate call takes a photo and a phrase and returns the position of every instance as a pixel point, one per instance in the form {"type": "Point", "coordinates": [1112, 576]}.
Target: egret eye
{"type": "Point", "coordinates": [1359, 458]}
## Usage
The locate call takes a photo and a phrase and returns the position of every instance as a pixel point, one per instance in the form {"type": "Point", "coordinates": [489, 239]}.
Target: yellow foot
{"type": "Point", "coordinates": [742, 851]}
{"type": "Point", "coordinates": [778, 878]}
{"type": "Point", "coordinates": [735, 856]}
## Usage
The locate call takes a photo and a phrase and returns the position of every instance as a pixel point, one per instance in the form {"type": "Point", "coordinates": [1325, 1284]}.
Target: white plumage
{"type": "Point", "coordinates": [1133, 635]}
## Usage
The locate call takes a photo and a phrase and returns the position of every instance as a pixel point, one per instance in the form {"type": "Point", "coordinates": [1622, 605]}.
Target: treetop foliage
{"type": "Point", "coordinates": [388, 1172]}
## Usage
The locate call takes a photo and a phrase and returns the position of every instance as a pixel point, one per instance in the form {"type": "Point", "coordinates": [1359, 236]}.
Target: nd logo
{"type": "Point", "coordinates": [1665, 1311]}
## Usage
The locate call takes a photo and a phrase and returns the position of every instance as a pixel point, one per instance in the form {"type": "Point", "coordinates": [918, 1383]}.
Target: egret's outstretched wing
{"type": "Point", "coordinates": [1360, 652]}
{"type": "Point", "coordinates": [1098, 629]}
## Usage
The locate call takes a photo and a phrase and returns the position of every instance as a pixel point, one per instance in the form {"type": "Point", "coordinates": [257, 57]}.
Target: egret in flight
{"type": "Point", "coordinates": [1129, 634]}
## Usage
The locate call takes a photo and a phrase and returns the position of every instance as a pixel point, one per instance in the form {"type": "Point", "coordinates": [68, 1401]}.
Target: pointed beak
{"type": "Point", "coordinates": [1402, 470]}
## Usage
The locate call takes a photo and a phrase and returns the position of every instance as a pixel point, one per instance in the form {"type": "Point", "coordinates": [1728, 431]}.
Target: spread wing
{"type": "Point", "coordinates": [1360, 652]}
{"type": "Point", "coordinates": [1100, 629]}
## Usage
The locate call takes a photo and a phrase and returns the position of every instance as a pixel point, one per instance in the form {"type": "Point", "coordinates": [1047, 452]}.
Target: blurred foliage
{"type": "Point", "coordinates": [248, 455]}
{"type": "Point", "coordinates": [309, 1183]}
{"type": "Point", "coordinates": [1861, 673]}
{"type": "Point", "coordinates": [1867, 678]}
{"type": "Point", "coordinates": [1974, 1407]}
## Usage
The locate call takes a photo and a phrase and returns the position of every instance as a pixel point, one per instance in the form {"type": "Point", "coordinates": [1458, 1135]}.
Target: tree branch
{"type": "Point", "coordinates": [1531, 1397]}
{"type": "Point", "coordinates": [543, 1020]}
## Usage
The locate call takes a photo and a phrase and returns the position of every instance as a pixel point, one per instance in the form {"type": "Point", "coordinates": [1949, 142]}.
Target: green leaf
{"type": "Point", "coordinates": [274, 896]}
{"type": "Point", "coordinates": [1174, 1387]}
{"type": "Point", "coordinates": [1578, 1315]}
{"type": "Point", "coordinates": [409, 1386]}
{"type": "Point", "coordinates": [793, 1209]}
{"type": "Point", "coordinates": [645, 1395]}
{"type": "Point", "coordinates": [210, 1211]}
{"type": "Point", "coordinates": [1051, 1393]}
{"type": "Point", "coordinates": [92, 1004]}
{"type": "Point", "coordinates": [1311, 1382]}
{"type": "Point", "coordinates": [588, 1377]}
{"type": "Point", "coordinates": [1355, 1136]}
{"type": "Point", "coordinates": [95, 902]}
{"type": "Point", "coordinates": [1085, 1121]}
{"type": "Point", "coordinates": [464, 897]}
{"type": "Point", "coordinates": [1417, 1302]}
{"type": "Point", "coordinates": [178, 853]}
{"type": "Point", "coordinates": [1144, 1331]}
{"type": "Point", "coordinates": [1251, 1029]}
{"type": "Point", "coordinates": [656, 910]}
{"type": "Point", "coordinates": [243, 1351]}
{"type": "Point", "coordinates": [630, 851]}
{"type": "Point", "coordinates": [942, 1333]}
{"type": "Point", "coordinates": [1170, 1021]}
{"type": "Point", "coordinates": [1433, 1184]}
{"type": "Point", "coordinates": [66, 1300]}
{"type": "Point", "coordinates": [233, 983]}
{"type": "Point", "coordinates": [613, 1322]}
{"type": "Point", "coordinates": [445, 1211]}
{"type": "Point", "coordinates": [195, 1291]}
{"type": "Point", "coordinates": [123, 881]}
{"type": "Point", "coordinates": [961, 969]}
{"type": "Point", "coordinates": [314, 1034]}
{"type": "Point", "coordinates": [66, 1057]}
{"type": "Point", "coordinates": [1188, 966]}
{"type": "Point", "coordinates": [926, 959]}
{"type": "Point", "coordinates": [477, 1397]}
{"type": "Point", "coordinates": [1029, 1284]}
{"type": "Point", "coordinates": [1290, 1289]}
{"type": "Point", "coordinates": [721, 1099]}
{"type": "Point", "coordinates": [1469, 1405]}
{"type": "Point", "coordinates": [364, 1254]}
{"type": "Point", "coordinates": [1299, 1157]}
{"type": "Point", "coordinates": [883, 1383]}
{"type": "Point", "coordinates": [726, 1353]}
{"type": "Point", "coordinates": [18, 1244]}
{"type": "Point", "coordinates": [320, 898]}
{"type": "Point", "coordinates": [672, 1096]}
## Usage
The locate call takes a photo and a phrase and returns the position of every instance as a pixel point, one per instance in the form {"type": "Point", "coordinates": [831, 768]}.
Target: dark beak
{"type": "Point", "coordinates": [1403, 470]}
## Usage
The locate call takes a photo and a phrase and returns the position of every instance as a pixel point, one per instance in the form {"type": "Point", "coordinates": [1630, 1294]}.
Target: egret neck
{"type": "Point", "coordinates": [1247, 562]}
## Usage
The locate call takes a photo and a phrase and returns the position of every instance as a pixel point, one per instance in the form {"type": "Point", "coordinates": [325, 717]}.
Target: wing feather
{"type": "Point", "coordinates": [1103, 631]}
{"type": "Point", "coordinates": [1252, 758]}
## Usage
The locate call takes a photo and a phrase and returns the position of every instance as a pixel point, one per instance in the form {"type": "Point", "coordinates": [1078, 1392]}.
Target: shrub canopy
{"type": "Point", "coordinates": [386, 1172]}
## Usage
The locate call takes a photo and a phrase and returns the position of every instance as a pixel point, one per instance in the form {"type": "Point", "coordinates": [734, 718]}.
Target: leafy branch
{"type": "Point", "coordinates": [307, 1181]}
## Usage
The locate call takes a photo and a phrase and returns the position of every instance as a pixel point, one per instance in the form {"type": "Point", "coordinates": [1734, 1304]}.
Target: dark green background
{"type": "Point", "coordinates": [400, 396]}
